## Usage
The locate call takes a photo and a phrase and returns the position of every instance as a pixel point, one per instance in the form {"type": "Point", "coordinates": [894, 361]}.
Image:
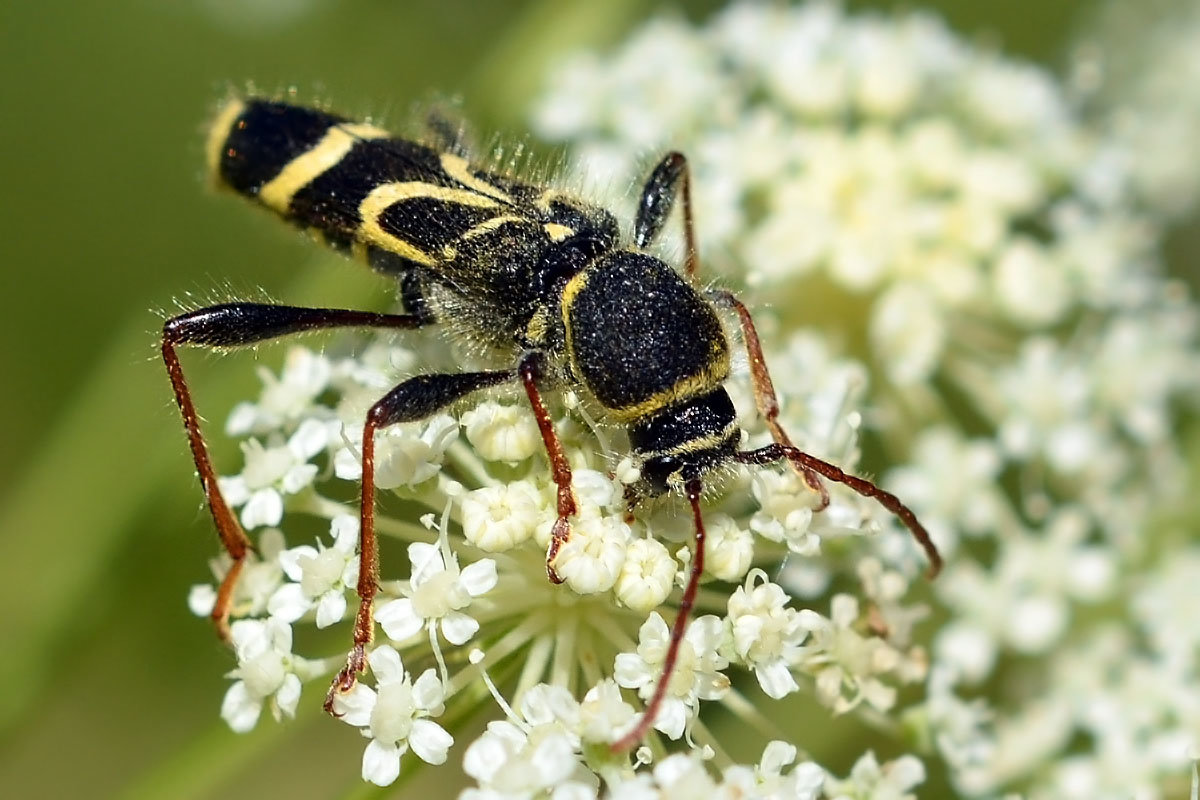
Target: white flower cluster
{"type": "Point", "coordinates": [1136, 69]}
{"type": "Point", "coordinates": [990, 256]}
{"type": "Point", "coordinates": [939, 208]}
{"type": "Point", "coordinates": [579, 660]}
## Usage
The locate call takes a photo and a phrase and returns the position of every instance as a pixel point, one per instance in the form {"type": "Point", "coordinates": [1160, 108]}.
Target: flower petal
{"type": "Point", "coordinates": [289, 603]}
{"type": "Point", "coordinates": [331, 608]}
{"type": "Point", "coordinates": [775, 679]}
{"type": "Point", "coordinates": [381, 763]}
{"type": "Point", "coordinates": [290, 560]}
{"type": "Point", "coordinates": [672, 716]}
{"type": "Point", "coordinates": [479, 577]}
{"type": "Point", "coordinates": [426, 562]}
{"type": "Point", "coordinates": [298, 477]}
{"type": "Point", "coordinates": [344, 529]}
{"type": "Point", "coordinates": [202, 599]}
{"type": "Point", "coordinates": [428, 692]}
{"type": "Point", "coordinates": [355, 706]}
{"type": "Point", "coordinates": [430, 741]}
{"type": "Point", "coordinates": [631, 671]}
{"type": "Point", "coordinates": [288, 696]}
{"type": "Point", "coordinates": [386, 664]}
{"type": "Point", "coordinates": [265, 507]}
{"type": "Point", "coordinates": [309, 439]}
{"type": "Point", "coordinates": [488, 754]}
{"type": "Point", "coordinates": [239, 709]}
{"type": "Point", "coordinates": [777, 755]}
{"type": "Point", "coordinates": [398, 619]}
{"type": "Point", "coordinates": [457, 627]}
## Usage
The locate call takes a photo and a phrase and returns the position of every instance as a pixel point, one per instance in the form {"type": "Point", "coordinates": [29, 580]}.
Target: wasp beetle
{"type": "Point", "coordinates": [537, 279]}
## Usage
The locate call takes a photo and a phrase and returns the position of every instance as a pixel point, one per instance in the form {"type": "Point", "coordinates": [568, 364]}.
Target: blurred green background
{"type": "Point", "coordinates": [109, 686]}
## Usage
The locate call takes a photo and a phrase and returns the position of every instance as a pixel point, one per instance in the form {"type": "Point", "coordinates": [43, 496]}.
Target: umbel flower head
{"type": "Point", "coordinates": [958, 279]}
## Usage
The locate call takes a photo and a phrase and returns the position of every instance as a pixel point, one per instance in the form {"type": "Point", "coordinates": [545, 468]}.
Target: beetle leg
{"type": "Point", "coordinates": [530, 371]}
{"type": "Point", "coordinates": [802, 460]}
{"type": "Point", "coordinates": [230, 325]}
{"type": "Point", "coordinates": [764, 390]}
{"type": "Point", "coordinates": [415, 399]}
{"type": "Point", "coordinates": [631, 739]}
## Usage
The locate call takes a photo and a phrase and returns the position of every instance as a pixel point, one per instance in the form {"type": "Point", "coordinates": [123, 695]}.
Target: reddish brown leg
{"type": "Point", "coordinates": [415, 399]}
{"type": "Point", "coordinates": [236, 325]}
{"type": "Point", "coordinates": [368, 572]}
{"type": "Point", "coordinates": [530, 371]}
{"type": "Point", "coordinates": [632, 738]}
{"type": "Point", "coordinates": [802, 460]}
{"type": "Point", "coordinates": [764, 391]}
{"type": "Point", "coordinates": [233, 538]}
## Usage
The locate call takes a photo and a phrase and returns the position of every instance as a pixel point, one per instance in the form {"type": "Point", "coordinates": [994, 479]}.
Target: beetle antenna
{"type": "Point", "coordinates": [805, 461]}
{"type": "Point", "coordinates": [631, 739]}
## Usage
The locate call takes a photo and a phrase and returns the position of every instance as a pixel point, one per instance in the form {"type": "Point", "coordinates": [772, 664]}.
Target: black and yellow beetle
{"type": "Point", "coordinates": [537, 280]}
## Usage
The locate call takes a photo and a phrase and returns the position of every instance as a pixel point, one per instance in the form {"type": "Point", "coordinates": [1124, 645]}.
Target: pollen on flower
{"type": "Point", "coordinates": [498, 518]}
{"type": "Point", "coordinates": [729, 548]}
{"type": "Point", "coordinates": [501, 432]}
{"type": "Point", "coordinates": [592, 559]}
{"type": "Point", "coordinates": [647, 575]}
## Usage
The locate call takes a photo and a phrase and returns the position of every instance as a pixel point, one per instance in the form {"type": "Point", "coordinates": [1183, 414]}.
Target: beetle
{"type": "Point", "coordinates": [538, 280]}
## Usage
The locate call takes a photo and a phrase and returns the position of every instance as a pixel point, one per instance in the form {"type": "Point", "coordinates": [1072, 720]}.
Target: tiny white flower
{"type": "Point", "coordinates": [304, 376]}
{"type": "Point", "coordinates": [265, 673]}
{"type": "Point", "coordinates": [395, 717]}
{"type": "Point", "coordinates": [647, 576]}
{"type": "Point", "coordinates": [536, 751]}
{"type": "Point", "coordinates": [498, 518]}
{"type": "Point", "coordinates": [804, 782]}
{"type": "Point", "coordinates": [592, 558]}
{"type": "Point", "coordinates": [767, 635]}
{"type": "Point", "coordinates": [603, 714]}
{"type": "Point", "coordinates": [728, 548]}
{"type": "Point", "coordinates": [502, 432]}
{"type": "Point", "coordinates": [436, 594]}
{"type": "Point", "coordinates": [274, 471]}
{"type": "Point", "coordinates": [261, 576]}
{"type": "Point", "coordinates": [846, 663]}
{"type": "Point", "coordinates": [405, 454]}
{"type": "Point", "coordinates": [320, 577]}
{"type": "Point", "coordinates": [786, 515]}
{"type": "Point", "coordinates": [683, 775]}
{"type": "Point", "coordinates": [869, 778]}
{"type": "Point", "coordinates": [696, 676]}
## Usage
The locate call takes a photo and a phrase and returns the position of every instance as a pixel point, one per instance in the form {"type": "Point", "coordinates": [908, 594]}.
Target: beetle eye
{"type": "Point", "coordinates": [657, 471]}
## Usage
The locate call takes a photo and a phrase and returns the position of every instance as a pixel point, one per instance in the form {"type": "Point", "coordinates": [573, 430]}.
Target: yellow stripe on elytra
{"type": "Point", "coordinates": [459, 169]}
{"type": "Point", "coordinates": [278, 192]}
{"type": "Point", "coordinates": [218, 133]}
{"type": "Point", "coordinates": [491, 225]}
{"type": "Point", "coordinates": [384, 195]}
{"type": "Point", "coordinates": [557, 232]}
